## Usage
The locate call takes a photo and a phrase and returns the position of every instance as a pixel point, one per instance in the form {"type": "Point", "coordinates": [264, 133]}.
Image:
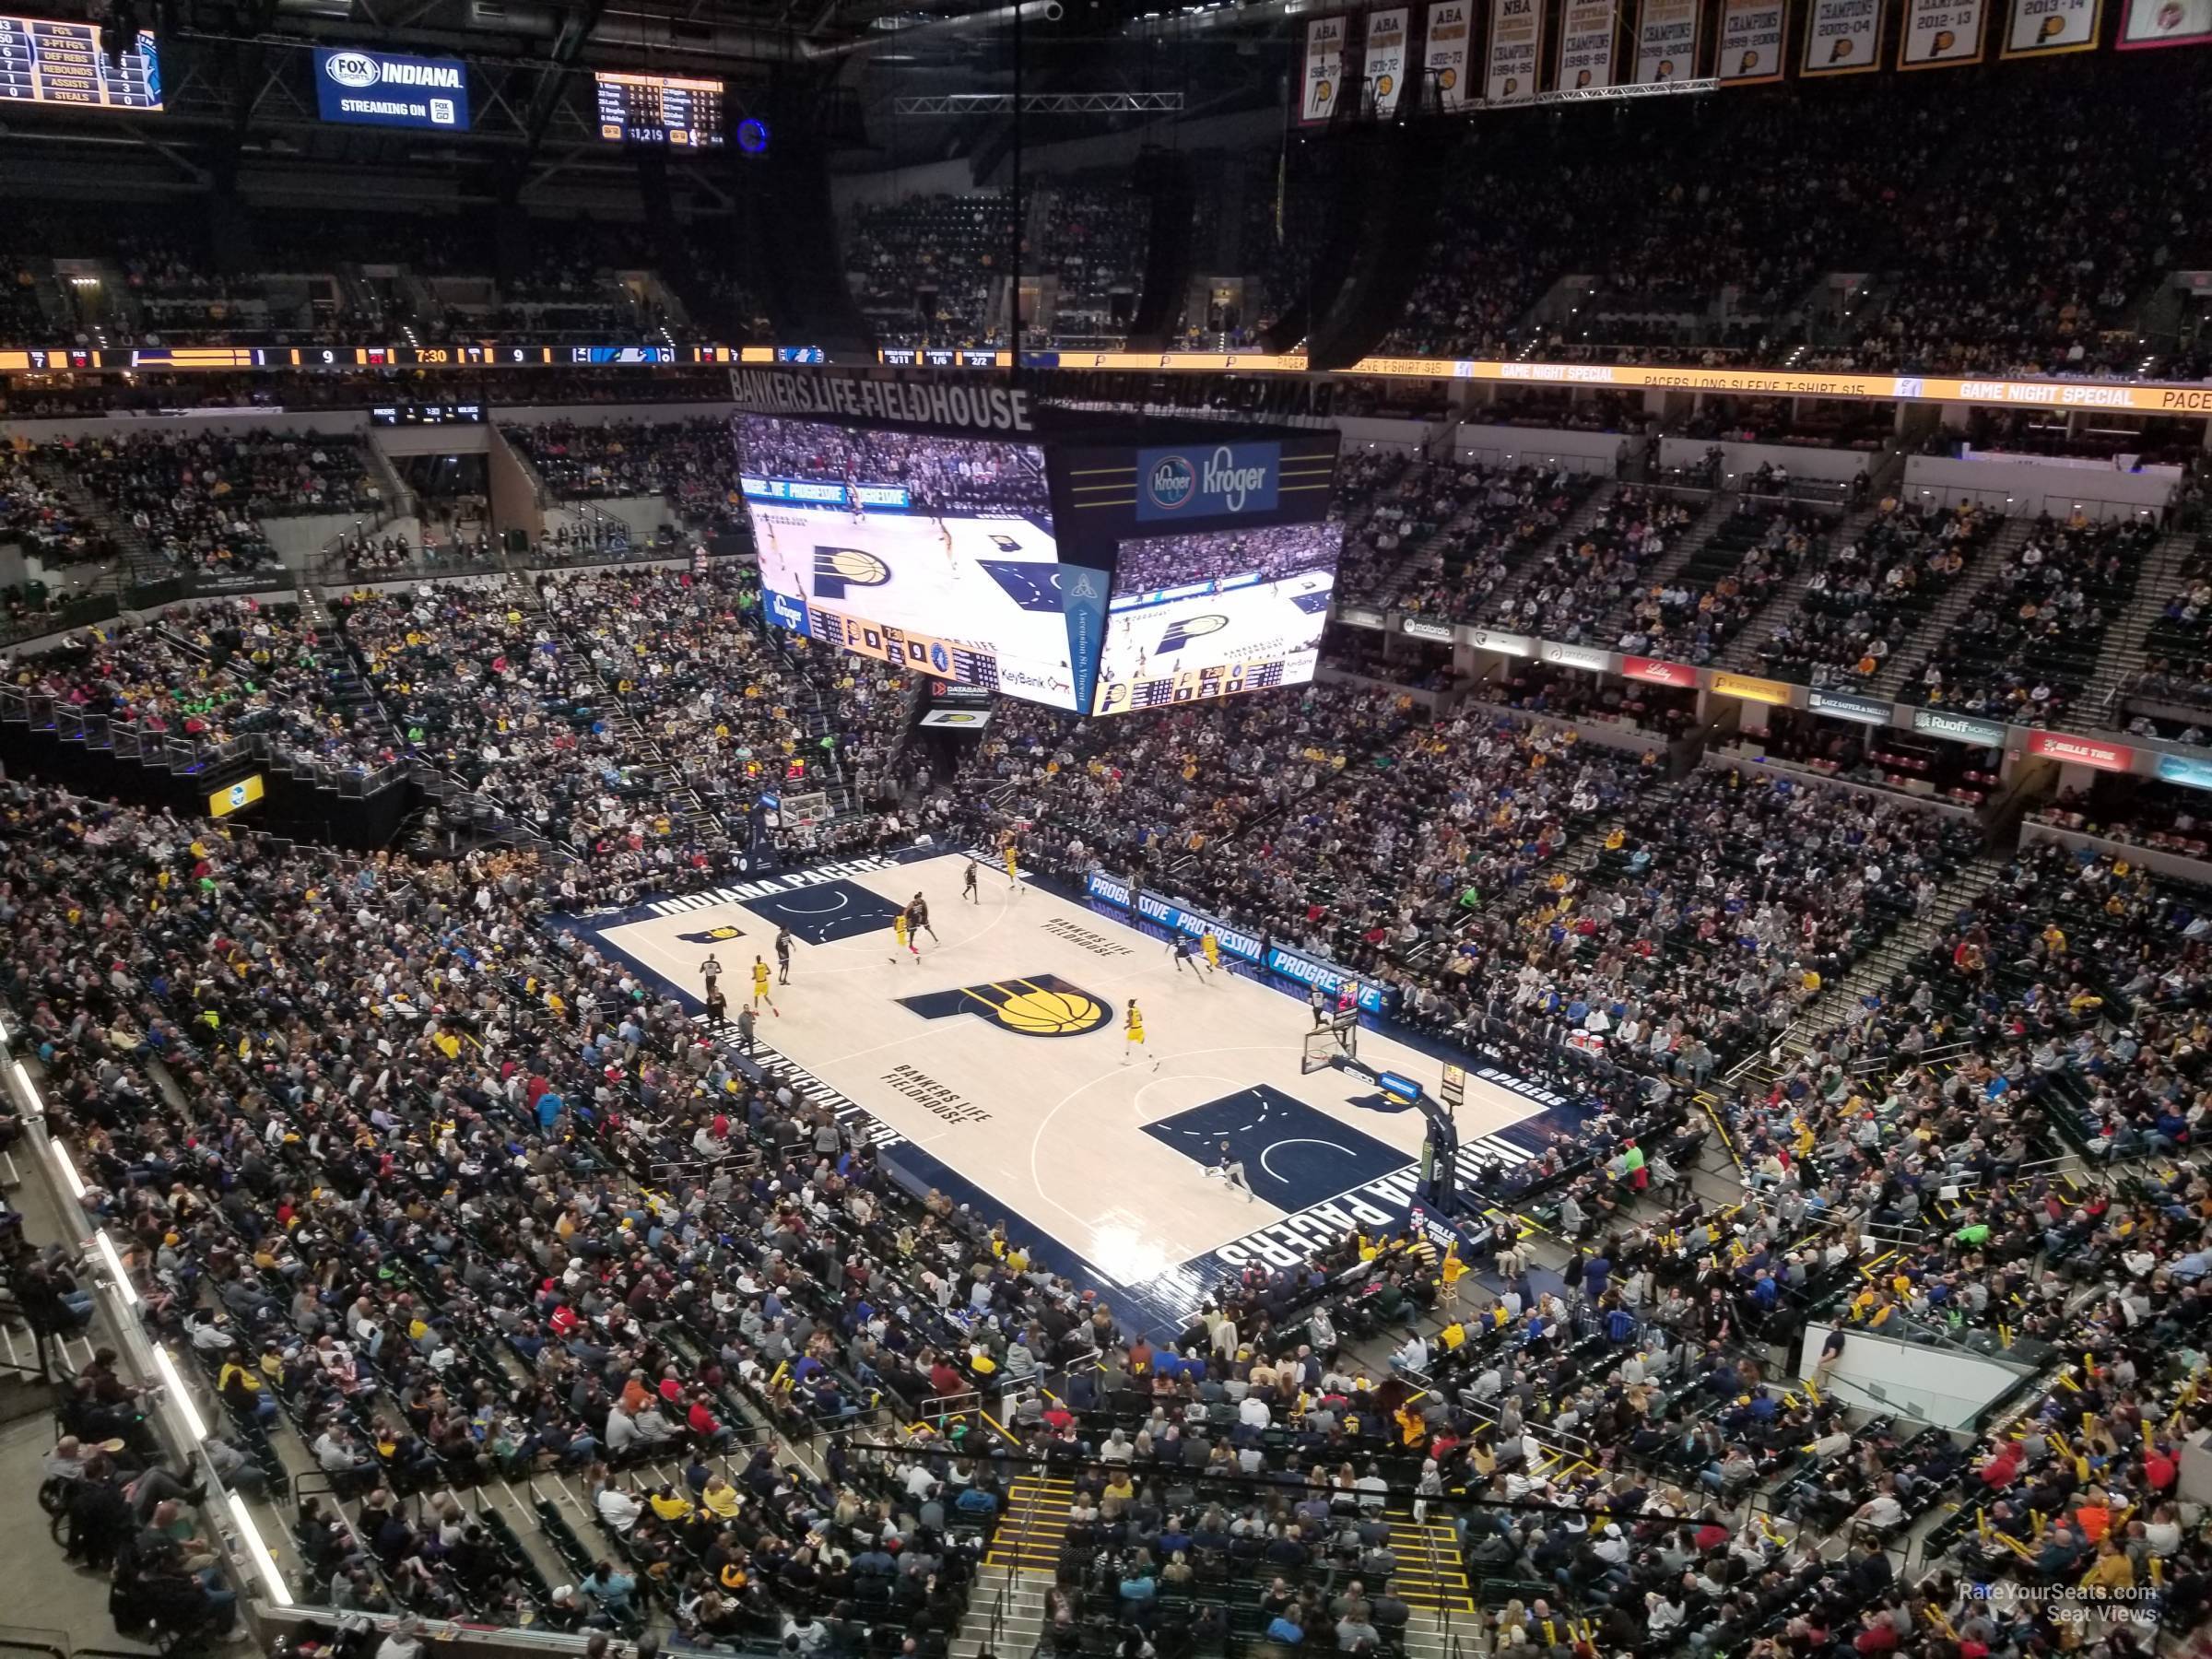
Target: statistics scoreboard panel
{"type": "Point", "coordinates": [47, 62]}
{"type": "Point", "coordinates": [1195, 685]}
{"type": "Point", "coordinates": [660, 109]}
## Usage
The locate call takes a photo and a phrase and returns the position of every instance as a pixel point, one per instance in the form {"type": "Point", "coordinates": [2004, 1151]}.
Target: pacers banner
{"type": "Point", "coordinates": [1444, 59]}
{"type": "Point", "coordinates": [1751, 36]}
{"type": "Point", "coordinates": [2165, 23]}
{"type": "Point", "coordinates": [1844, 37]}
{"type": "Point", "coordinates": [1666, 41]}
{"type": "Point", "coordinates": [2046, 28]}
{"type": "Point", "coordinates": [1387, 58]}
{"type": "Point", "coordinates": [1942, 32]}
{"type": "Point", "coordinates": [1587, 27]}
{"type": "Point", "coordinates": [1325, 69]}
{"type": "Point", "coordinates": [1516, 47]}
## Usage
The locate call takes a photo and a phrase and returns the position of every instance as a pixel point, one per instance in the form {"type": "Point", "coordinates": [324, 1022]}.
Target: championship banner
{"type": "Point", "coordinates": [1666, 41]}
{"type": "Point", "coordinates": [1516, 49]}
{"type": "Point", "coordinates": [1587, 30]}
{"type": "Point", "coordinates": [1939, 33]}
{"type": "Point", "coordinates": [2046, 28]}
{"type": "Point", "coordinates": [1844, 37]}
{"type": "Point", "coordinates": [1387, 58]}
{"type": "Point", "coordinates": [1324, 70]}
{"type": "Point", "coordinates": [2165, 23]}
{"type": "Point", "coordinates": [1751, 39]}
{"type": "Point", "coordinates": [1444, 60]}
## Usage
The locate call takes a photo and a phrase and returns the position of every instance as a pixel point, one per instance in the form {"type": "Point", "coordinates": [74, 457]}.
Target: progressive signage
{"type": "Point", "coordinates": [359, 88]}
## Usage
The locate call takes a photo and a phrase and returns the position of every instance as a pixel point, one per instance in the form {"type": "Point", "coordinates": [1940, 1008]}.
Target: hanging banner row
{"type": "Point", "coordinates": [1357, 64]}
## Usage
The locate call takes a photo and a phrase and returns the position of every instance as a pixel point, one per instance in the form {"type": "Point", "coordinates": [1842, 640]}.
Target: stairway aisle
{"type": "Point", "coordinates": [1746, 652]}
{"type": "Point", "coordinates": [1700, 530]}
{"type": "Point", "coordinates": [1904, 948]}
{"type": "Point", "coordinates": [1432, 1572]}
{"type": "Point", "coordinates": [1579, 520]}
{"type": "Point", "coordinates": [2125, 651]}
{"type": "Point", "coordinates": [1915, 647]}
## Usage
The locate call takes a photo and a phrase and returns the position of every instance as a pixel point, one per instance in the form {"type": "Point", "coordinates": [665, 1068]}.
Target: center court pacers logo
{"type": "Point", "coordinates": [1189, 629]}
{"type": "Point", "coordinates": [1043, 1005]}
{"type": "Point", "coordinates": [836, 569]}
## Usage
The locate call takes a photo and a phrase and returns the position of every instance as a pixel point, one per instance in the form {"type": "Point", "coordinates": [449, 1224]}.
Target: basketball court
{"type": "Point", "coordinates": [992, 1066]}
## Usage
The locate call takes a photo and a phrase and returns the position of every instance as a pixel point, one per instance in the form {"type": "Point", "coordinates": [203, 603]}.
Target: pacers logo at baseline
{"type": "Point", "coordinates": [712, 935]}
{"type": "Point", "coordinates": [1041, 1006]}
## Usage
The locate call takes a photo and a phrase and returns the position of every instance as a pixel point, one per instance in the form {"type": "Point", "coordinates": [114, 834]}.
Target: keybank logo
{"type": "Point", "coordinates": [1224, 482]}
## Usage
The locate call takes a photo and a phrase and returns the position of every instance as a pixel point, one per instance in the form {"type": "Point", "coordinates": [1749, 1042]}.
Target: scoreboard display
{"type": "Point", "coordinates": [42, 61]}
{"type": "Point", "coordinates": [660, 109]}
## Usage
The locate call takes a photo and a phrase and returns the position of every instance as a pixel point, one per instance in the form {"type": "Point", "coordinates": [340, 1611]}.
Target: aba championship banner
{"type": "Point", "coordinates": [1387, 58]}
{"type": "Point", "coordinates": [1844, 37]}
{"type": "Point", "coordinates": [1666, 41]}
{"type": "Point", "coordinates": [1939, 33]}
{"type": "Point", "coordinates": [1178, 917]}
{"type": "Point", "coordinates": [1751, 38]}
{"type": "Point", "coordinates": [1325, 69]}
{"type": "Point", "coordinates": [2165, 23]}
{"type": "Point", "coordinates": [1516, 47]}
{"type": "Point", "coordinates": [1445, 58]}
{"type": "Point", "coordinates": [1586, 31]}
{"type": "Point", "coordinates": [2046, 28]}
{"type": "Point", "coordinates": [383, 89]}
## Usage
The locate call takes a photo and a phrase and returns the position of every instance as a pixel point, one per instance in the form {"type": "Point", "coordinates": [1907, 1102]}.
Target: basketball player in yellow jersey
{"type": "Point", "coordinates": [1013, 867]}
{"type": "Point", "coordinates": [1133, 1033]}
{"type": "Point", "coordinates": [760, 988]}
{"type": "Point", "coordinates": [1212, 947]}
{"type": "Point", "coordinates": [900, 932]}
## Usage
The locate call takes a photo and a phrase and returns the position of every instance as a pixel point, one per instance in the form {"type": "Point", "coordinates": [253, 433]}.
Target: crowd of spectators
{"type": "Point", "coordinates": [1268, 554]}
{"type": "Point", "coordinates": [2028, 644]}
{"type": "Point", "coordinates": [941, 476]}
{"type": "Point", "coordinates": [1868, 596]}
{"type": "Point", "coordinates": [1094, 242]}
{"type": "Point", "coordinates": [925, 270]}
{"type": "Point", "coordinates": [197, 497]}
{"type": "Point", "coordinates": [37, 514]}
{"type": "Point", "coordinates": [1575, 584]}
{"type": "Point", "coordinates": [693, 464]}
{"type": "Point", "coordinates": [214, 672]}
{"type": "Point", "coordinates": [1498, 515]}
{"type": "Point", "coordinates": [439, 1190]}
{"type": "Point", "coordinates": [1743, 565]}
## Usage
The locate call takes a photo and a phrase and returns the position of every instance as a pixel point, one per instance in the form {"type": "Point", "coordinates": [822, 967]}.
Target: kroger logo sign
{"type": "Point", "coordinates": [787, 613]}
{"type": "Point", "coordinates": [1221, 482]}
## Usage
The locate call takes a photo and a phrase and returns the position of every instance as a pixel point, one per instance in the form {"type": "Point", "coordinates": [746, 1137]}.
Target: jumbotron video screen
{"type": "Point", "coordinates": [935, 553]}
{"type": "Point", "coordinates": [1216, 613]}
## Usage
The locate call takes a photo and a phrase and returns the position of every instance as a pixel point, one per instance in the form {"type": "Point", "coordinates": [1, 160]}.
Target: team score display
{"type": "Point", "coordinates": [1220, 680]}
